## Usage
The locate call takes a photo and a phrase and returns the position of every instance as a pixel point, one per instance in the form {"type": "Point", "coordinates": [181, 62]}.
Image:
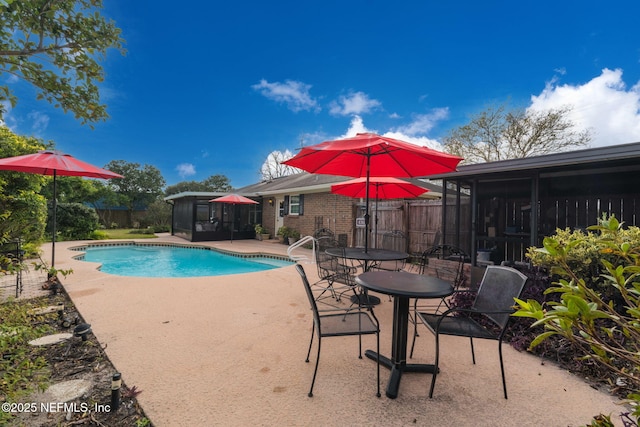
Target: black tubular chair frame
{"type": "Point", "coordinates": [341, 320]}
{"type": "Point", "coordinates": [455, 275]}
{"type": "Point", "coordinates": [330, 270]}
{"type": "Point", "coordinates": [494, 302]}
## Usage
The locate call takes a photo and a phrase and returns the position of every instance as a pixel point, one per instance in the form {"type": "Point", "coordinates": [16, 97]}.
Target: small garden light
{"type": "Point", "coordinates": [82, 330]}
{"type": "Point", "coordinates": [116, 382]}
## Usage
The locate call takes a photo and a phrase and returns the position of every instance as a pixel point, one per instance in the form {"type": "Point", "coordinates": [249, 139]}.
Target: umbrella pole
{"type": "Point", "coordinates": [366, 209]}
{"type": "Point", "coordinates": [375, 221]}
{"type": "Point", "coordinates": [233, 219]}
{"type": "Point", "coordinates": [53, 226]}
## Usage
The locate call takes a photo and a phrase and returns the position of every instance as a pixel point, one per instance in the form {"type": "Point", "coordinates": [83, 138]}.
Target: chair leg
{"type": "Point", "coordinates": [504, 381]}
{"type": "Point", "coordinates": [378, 362]}
{"type": "Point", "coordinates": [313, 331]}
{"type": "Point", "coordinates": [435, 366]}
{"type": "Point", "coordinates": [415, 334]}
{"type": "Point", "coordinates": [315, 371]}
{"type": "Point", "coordinates": [415, 327]}
{"type": "Point", "coordinates": [473, 353]}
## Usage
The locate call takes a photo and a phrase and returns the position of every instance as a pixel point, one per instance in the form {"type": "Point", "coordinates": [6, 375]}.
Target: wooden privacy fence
{"type": "Point", "coordinates": [419, 220]}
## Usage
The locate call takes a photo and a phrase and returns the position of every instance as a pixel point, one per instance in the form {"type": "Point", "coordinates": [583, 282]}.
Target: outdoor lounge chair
{"type": "Point", "coordinates": [339, 323]}
{"type": "Point", "coordinates": [487, 318]}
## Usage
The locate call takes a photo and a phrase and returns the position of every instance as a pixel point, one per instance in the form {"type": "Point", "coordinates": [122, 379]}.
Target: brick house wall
{"type": "Point", "coordinates": [325, 210]}
{"type": "Point", "coordinates": [269, 212]}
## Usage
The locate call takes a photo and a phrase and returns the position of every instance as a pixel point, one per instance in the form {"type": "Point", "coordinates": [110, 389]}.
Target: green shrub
{"type": "Point", "coordinates": [98, 235]}
{"type": "Point", "coordinates": [284, 231]}
{"type": "Point", "coordinates": [76, 221]}
{"type": "Point", "coordinates": [599, 316]}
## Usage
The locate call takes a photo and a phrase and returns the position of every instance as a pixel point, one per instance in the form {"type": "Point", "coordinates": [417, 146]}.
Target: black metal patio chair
{"type": "Point", "coordinates": [444, 262]}
{"type": "Point", "coordinates": [487, 318]}
{"type": "Point", "coordinates": [394, 240]}
{"type": "Point", "coordinates": [334, 275]}
{"type": "Point", "coordinates": [340, 323]}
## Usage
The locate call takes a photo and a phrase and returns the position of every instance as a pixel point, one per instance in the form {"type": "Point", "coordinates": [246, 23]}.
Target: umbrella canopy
{"type": "Point", "coordinates": [367, 155]}
{"type": "Point", "coordinates": [381, 188]}
{"type": "Point", "coordinates": [48, 162]}
{"type": "Point", "coordinates": [234, 199]}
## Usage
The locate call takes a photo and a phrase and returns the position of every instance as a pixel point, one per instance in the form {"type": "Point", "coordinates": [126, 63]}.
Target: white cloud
{"type": "Point", "coordinates": [353, 103]}
{"type": "Point", "coordinates": [186, 170]}
{"type": "Point", "coordinates": [39, 121]}
{"type": "Point", "coordinates": [292, 93]}
{"type": "Point", "coordinates": [603, 105]}
{"type": "Point", "coordinates": [423, 123]}
{"type": "Point", "coordinates": [7, 120]}
{"type": "Point", "coordinates": [355, 127]}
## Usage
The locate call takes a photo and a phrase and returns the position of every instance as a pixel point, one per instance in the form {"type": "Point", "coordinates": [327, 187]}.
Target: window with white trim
{"type": "Point", "coordinates": [294, 205]}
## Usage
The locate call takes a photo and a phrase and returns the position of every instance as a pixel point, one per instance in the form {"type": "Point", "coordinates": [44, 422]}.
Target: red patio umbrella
{"type": "Point", "coordinates": [367, 155]}
{"type": "Point", "coordinates": [234, 199]}
{"type": "Point", "coordinates": [49, 162]}
{"type": "Point", "coordinates": [382, 187]}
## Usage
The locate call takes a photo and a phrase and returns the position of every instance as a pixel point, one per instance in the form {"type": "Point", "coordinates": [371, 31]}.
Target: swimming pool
{"type": "Point", "coordinates": [148, 260]}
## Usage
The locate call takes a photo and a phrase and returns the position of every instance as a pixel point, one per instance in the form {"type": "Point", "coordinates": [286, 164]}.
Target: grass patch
{"type": "Point", "coordinates": [22, 367]}
{"type": "Point", "coordinates": [128, 233]}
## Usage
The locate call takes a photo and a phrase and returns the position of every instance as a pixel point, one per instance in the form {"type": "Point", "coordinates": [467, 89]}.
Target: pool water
{"type": "Point", "coordinates": [173, 261]}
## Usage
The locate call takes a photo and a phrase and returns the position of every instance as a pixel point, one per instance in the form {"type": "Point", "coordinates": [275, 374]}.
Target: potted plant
{"type": "Point", "coordinates": [294, 235]}
{"type": "Point", "coordinates": [283, 234]}
{"type": "Point", "coordinates": [261, 232]}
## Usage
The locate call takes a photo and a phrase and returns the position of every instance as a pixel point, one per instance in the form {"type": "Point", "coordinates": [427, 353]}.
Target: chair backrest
{"type": "Point", "coordinates": [312, 300]}
{"type": "Point", "coordinates": [323, 232]}
{"type": "Point", "coordinates": [499, 286]}
{"type": "Point", "coordinates": [326, 263]}
{"type": "Point", "coordinates": [454, 273]}
{"type": "Point", "coordinates": [394, 240]}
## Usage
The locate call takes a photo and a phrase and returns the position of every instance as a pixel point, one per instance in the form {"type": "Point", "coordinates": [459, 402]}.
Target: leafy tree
{"type": "Point", "coordinates": [55, 46]}
{"type": "Point", "coordinates": [76, 221]}
{"type": "Point", "coordinates": [23, 211]}
{"type": "Point", "coordinates": [158, 215]}
{"type": "Point", "coordinates": [496, 134]}
{"type": "Point", "coordinates": [273, 168]}
{"type": "Point", "coordinates": [101, 196]}
{"type": "Point", "coordinates": [213, 183]}
{"type": "Point", "coordinates": [139, 187]}
{"type": "Point", "coordinates": [72, 189]}
{"type": "Point", "coordinates": [217, 183]}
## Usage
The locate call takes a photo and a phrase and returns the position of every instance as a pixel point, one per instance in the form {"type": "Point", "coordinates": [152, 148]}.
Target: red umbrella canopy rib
{"type": "Point", "coordinates": [381, 156]}
{"type": "Point", "coordinates": [54, 163]}
{"type": "Point", "coordinates": [379, 187]}
{"type": "Point", "coordinates": [235, 199]}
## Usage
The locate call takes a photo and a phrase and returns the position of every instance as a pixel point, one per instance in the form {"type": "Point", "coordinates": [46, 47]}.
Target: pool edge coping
{"type": "Point", "coordinates": [84, 246]}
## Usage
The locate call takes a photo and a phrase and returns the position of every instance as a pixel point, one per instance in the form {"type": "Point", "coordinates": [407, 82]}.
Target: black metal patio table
{"type": "Point", "coordinates": [367, 257]}
{"type": "Point", "coordinates": [402, 286]}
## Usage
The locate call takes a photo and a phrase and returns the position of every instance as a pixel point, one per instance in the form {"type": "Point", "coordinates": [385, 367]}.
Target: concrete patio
{"type": "Point", "coordinates": [230, 350]}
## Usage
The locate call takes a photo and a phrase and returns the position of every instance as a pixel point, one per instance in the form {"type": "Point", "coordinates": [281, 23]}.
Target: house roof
{"type": "Point", "coordinates": [314, 183]}
{"type": "Point", "coordinates": [588, 159]}
{"type": "Point", "coordinates": [196, 194]}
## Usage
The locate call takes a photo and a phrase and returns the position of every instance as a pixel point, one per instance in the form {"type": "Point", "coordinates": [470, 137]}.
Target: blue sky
{"type": "Point", "coordinates": [213, 87]}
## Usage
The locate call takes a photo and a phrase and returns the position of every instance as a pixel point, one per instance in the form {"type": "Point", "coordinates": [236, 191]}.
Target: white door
{"type": "Point", "coordinates": [279, 217]}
